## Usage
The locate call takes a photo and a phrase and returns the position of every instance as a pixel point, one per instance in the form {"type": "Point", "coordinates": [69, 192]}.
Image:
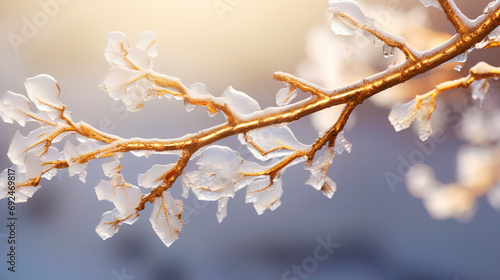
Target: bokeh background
{"type": "Point", "coordinates": [383, 232]}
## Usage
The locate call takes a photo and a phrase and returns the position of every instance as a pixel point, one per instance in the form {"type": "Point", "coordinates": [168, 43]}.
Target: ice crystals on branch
{"type": "Point", "coordinates": [347, 17]}
{"type": "Point", "coordinates": [111, 221]}
{"type": "Point", "coordinates": [166, 218]}
{"type": "Point", "coordinates": [285, 95]}
{"type": "Point", "coordinates": [479, 89]}
{"type": "Point", "coordinates": [240, 103]}
{"type": "Point", "coordinates": [264, 194]}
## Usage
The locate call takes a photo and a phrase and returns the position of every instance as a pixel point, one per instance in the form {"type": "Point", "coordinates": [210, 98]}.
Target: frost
{"type": "Point", "coordinates": [285, 96]}
{"type": "Point", "coordinates": [13, 107]}
{"type": "Point", "coordinates": [264, 194]}
{"type": "Point", "coordinates": [271, 142]}
{"type": "Point", "coordinates": [239, 102]}
{"type": "Point", "coordinates": [479, 89]}
{"type": "Point", "coordinates": [111, 221]}
{"type": "Point", "coordinates": [387, 51]}
{"type": "Point", "coordinates": [166, 218]}
{"type": "Point", "coordinates": [155, 176]}
{"type": "Point", "coordinates": [347, 17]}
{"type": "Point", "coordinates": [431, 3]}
{"type": "Point", "coordinates": [402, 115]}
{"type": "Point", "coordinates": [125, 197]}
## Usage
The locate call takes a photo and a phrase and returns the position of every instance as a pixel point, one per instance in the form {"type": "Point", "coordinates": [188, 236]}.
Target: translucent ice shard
{"type": "Point", "coordinates": [166, 218]}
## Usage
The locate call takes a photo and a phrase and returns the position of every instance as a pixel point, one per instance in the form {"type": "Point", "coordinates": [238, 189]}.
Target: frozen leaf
{"type": "Point", "coordinates": [71, 154]}
{"type": "Point", "coordinates": [198, 91]}
{"type": "Point", "coordinates": [402, 115]}
{"type": "Point", "coordinates": [156, 175]}
{"type": "Point", "coordinates": [271, 142]}
{"type": "Point", "coordinates": [208, 187]}
{"type": "Point", "coordinates": [479, 90]}
{"type": "Point", "coordinates": [52, 155]}
{"type": "Point", "coordinates": [44, 91]}
{"type": "Point", "coordinates": [341, 144]}
{"type": "Point", "coordinates": [222, 208]}
{"type": "Point", "coordinates": [166, 218]}
{"type": "Point", "coordinates": [220, 161]}
{"type": "Point", "coordinates": [138, 58]}
{"type": "Point", "coordinates": [239, 102]}
{"type": "Point", "coordinates": [264, 194]}
{"type": "Point", "coordinates": [111, 221]}
{"type": "Point", "coordinates": [117, 49]}
{"type": "Point", "coordinates": [111, 168]}
{"type": "Point", "coordinates": [118, 79]}
{"type": "Point", "coordinates": [285, 95]}
{"type": "Point", "coordinates": [20, 145]}
{"type": "Point", "coordinates": [125, 197]}
{"type": "Point", "coordinates": [347, 17]}
{"type": "Point", "coordinates": [318, 169]}
{"type": "Point", "coordinates": [14, 107]}
{"type": "Point", "coordinates": [431, 3]}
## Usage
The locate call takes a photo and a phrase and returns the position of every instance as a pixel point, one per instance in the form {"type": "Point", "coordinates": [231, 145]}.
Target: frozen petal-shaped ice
{"type": "Point", "coordinates": [166, 218]}
{"type": "Point", "coordinates": [110, 222]}
{"type": "Point", "coordinates": [271, 142]}
{"type": "Point", "coordinates": [431, 3]}
{"type": "Point", "coordinates": [207, 187]}
{"type": "Point", "coordinates": [14, 107]}
{"type": "Point", "coordinates": [147, 42]}
{"type": "Point", "coordinates": [341, 144]}
{"type": "Point", "coordinates": [126, 197]}
{"type": "Point", "coordinates": [285, 96]}
{"type": "Point", "coordinates": [119, 77]}
{"type": "Point", "coordinates": [111, 168]}
{"type": "Point", "coordinates": [239, 102]}
{"type": "Point", "coordinates": [402, 115]}
{"type": "Point", "coordinates": [219, 160]}
{"type": "Point", "coordinates": [329, 187]}
{"type": "Point", "coordinates": [117, 49]}
{"type": "Point", "coordinates": [105, 190]}
{"type": "Point", "coordinates": [21, 145]}
{"type": "Point", "coordinates": [155, 176]}
{"type": "Point", "coordinates": [319, 167]}
{"type": "Point", "coordinates": [71, 153]}
{"type": "Point", "coordinates": [479, 89]}
{"type": "Point", "coordinates": [139, 58]}
{"type": "Point", "coordinates": [44, 91]}
{"type": "Point", "coordinates": [264, 194]}
{"type": "Point", "coordinates": [222, 208]}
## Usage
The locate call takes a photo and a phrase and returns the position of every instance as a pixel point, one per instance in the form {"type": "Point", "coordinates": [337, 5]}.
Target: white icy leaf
{"type": "Point", "coordinates": [275, 141]}
{"type": "Point", "coordinates": [33, 166]}
{"type": "Point", "coordinates": [70, 153]}
{"type": "Point", "coordinates": [111, 221]}
{"type": "Point", "coordinates": [318, 169]}
{"type": "Point", "coordinates": [125, 197]}
{"type": "Point", "coordinates": [207, 187]}
{"type": "Point", "coordinates": [117, 49]}
{"type": "Point", "coordinates": [239, 102]}
{"type": "Point", "coordinates": [402, 115]}
{"type": "Point", "coordinates": [13, 107]}
{"type": "Point", "coordinates": [222, 208]}
{"type": "Point", "coordinates": [20, 145]}
{"type": "Point", "coordinates": [285, 96]}
{"type": "Point", "coordinates": [264, 195]}
{"type": "Point", "coordinates": [111, 168]}
{"type": "Point", "coordinates": [347, 17]}
{"type": "Point", "coordinates": [52, 155]}
{"type": "Point", "coordinates": [329, 187]}
{"type": "Point", "coordinates": [44, 91]}
{"type": "Point", "coordinates": [155, 175]}
{"type": "Point", "coordinates": [147, 42]}
{"type": "Point", "coordinates": [166, 218]}
{"type": "Point", "coordinates": [493, 197]}
{"type": "Point", "coordinates": [219, 160]}
{"type": "Point", "coordinates": [479, 89]}
{"type": "Point", "coordinates": [431, 3]}
{"type": "Point", "coordinates": [139, 58]}
{"type": "Point", "coordinates": [341, 144]}
{"type": "Point", "coordinates": [450, 202]}
{"type": "Point", "coordinates": [421, 181]}
{"type": "Point", "coordinates": [119, 77]}
{"type": "Point", "coordinates": [198, 91]}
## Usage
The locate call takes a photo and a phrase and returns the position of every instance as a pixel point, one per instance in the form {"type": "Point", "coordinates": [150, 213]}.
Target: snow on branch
{"type": "Point", "coordinates": [221, 171]}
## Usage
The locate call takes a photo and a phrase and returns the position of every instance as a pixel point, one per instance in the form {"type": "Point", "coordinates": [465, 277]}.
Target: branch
{"type": "Point", "coordinates": [455, 16]}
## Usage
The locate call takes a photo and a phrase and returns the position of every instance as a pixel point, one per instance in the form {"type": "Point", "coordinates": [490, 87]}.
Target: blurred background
{"type": "Point", "coordinates": [383, 232]}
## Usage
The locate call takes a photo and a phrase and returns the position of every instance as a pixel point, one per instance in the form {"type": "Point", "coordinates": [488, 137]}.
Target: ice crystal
{"type": "Point", "coordinates": [166, 218]}
{"type": "Point", "coordinates": [402, 115]}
